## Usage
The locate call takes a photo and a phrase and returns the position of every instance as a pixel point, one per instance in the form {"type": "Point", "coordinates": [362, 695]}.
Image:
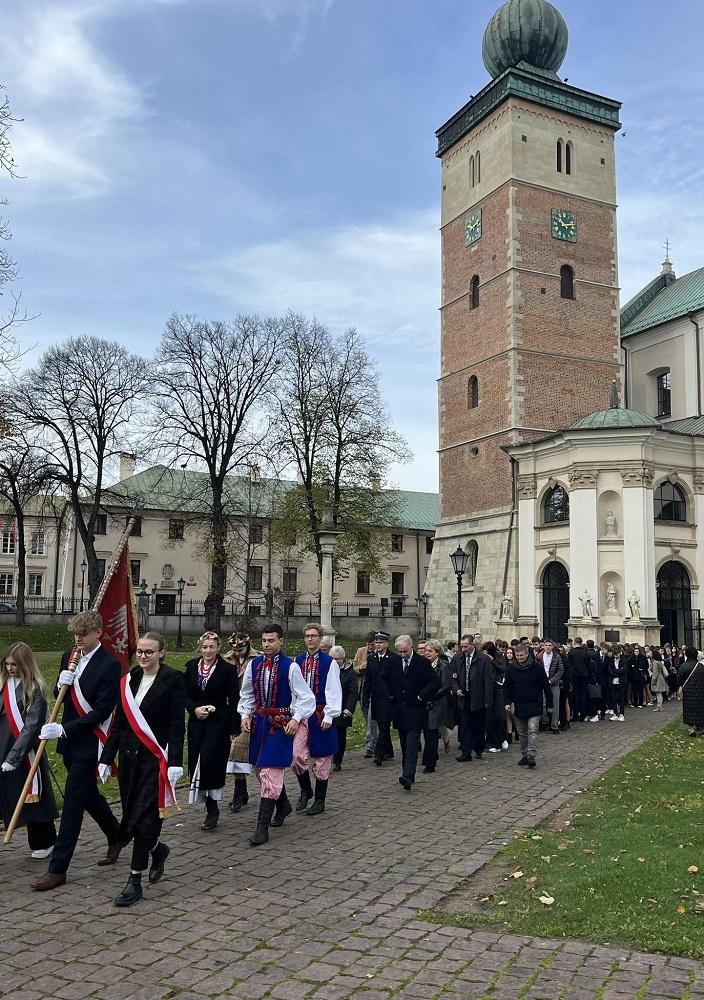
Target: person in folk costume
{"type": "Point", "coordinates": [212, 690]}
{"type": "Point", "coordinates": [316, 740]}
{"type": "Point", "coordinates": [274, 700]}
{"type": "Point", "coordinates": [240, 655]}
{"type": "Point", "coordinates": [148, 736]}
{"type": "Point", "coordinates": [23, 711]}
{"type": "Point", "coordinates": [81, 735]}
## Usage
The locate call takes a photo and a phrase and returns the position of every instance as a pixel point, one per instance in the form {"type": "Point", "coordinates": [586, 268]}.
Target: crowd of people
{"type": "Point", "coordinates": [266, 713]}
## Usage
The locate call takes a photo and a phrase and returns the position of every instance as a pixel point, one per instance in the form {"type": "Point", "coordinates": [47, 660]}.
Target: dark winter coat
{"type": "Point", "coordinates": [376, 688]}
{"type": "Point", "coordinates": [618, 671]}
{"type": "Point", "coordinates": [557, 668]}
{"type": "Point", "coordinates": [100, 684]}
{"type": "Point", "coordinates": [411, 691]}
{"type": "Point", "coordinates": [524, 688]}
{"type": "Point", "coordinates": [350, 694]}
{"type": "Point", "coordinates": [581, 664]}
{"type": "Point", "coordinates": [440, 710]}
{"type": "Point", "coordinates": [163, 706]}
{"type": "Point", "coordinates": [209, 738]}
{"type": "Point", "coordinates": [690, 677]}
{"type": "Point", "coordinates": [638, 672]}
{"type": "Point", "coordinates": [481, 682]}
{"type": "Point", "coordinates": [15, 752]}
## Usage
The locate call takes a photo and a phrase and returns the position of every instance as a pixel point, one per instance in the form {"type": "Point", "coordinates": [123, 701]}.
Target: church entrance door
{"type": "Point", "coordinates": [675, 606]}
{"type": "Point", "coordinates": [556, 602]}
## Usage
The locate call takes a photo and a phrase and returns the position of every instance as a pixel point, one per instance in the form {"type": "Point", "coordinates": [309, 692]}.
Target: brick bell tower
{"type": "Point", "coordinates": [529, 299]}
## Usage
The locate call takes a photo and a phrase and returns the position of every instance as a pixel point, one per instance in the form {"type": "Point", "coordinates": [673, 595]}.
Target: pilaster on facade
{"type": "Point", "coordinates": [582, 479]}
{"type": "Point", "coordinates": [527, 488]}
{"type": "Point", "coordinates": [640, 474]}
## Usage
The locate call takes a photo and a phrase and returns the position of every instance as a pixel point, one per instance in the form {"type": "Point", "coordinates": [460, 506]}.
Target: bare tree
{"type": "Point", "coordinates": [23, 477]}
{"type": "Point", "coordinates": [335, 432]}
{"type": "Point", "coordinates": [79, 401]}
{"type": "Point", "coordinates": [214, 381]}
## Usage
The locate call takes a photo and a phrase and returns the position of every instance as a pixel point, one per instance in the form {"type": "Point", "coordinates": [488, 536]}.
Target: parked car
{"type": "Point", "coordinates": [7, 609]}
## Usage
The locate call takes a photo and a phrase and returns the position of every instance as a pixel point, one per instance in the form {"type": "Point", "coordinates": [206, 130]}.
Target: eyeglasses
{"type": "Point", "coordinates": [146, 652]}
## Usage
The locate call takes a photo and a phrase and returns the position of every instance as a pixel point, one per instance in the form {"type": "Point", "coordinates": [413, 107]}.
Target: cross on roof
{"type": "Point", "coordinates": [667, 249]}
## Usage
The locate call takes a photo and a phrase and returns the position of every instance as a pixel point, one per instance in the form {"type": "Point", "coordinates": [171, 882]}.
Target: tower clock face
{"type": "Point", "coordinates": [564, 225]}
{"type": "Point", "coordinates": [473, 228]}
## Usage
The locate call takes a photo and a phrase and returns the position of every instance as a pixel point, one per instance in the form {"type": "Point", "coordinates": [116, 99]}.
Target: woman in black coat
{"type": "Point", "coordinates": [158, 694]}
{"type": "Point", "coordinates": [496, 716]}
{"type": "Point", "coordinates": [20, 677]}
{"type": "Point", "coordinates": [690, 678]}
{"type": "Point", "coordinates": [350, 695]}
{"type": "Point", "coordinates": [212, 694]}
{"type": "Point", "coordinates": [638, 676]}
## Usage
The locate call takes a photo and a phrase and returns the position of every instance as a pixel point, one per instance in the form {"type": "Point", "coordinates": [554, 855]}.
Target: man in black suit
{"type": "Point", "coordinates": [98, 676]}
{"type": "Point", "coordinates": [412, 683]}
{"type": "Point", "coordinates": [473, 688]}
{"type": "Point", "coordinates": [377, 695]}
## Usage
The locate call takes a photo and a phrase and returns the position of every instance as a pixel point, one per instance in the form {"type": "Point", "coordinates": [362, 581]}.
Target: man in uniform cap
{"type": "Point", "coordinates": [377, 697]}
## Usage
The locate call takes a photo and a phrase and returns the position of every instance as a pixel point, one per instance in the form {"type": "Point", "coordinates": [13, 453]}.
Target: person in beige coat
{"type": "Point", "coordinates": [658, 681]}
{"type": "Point", "coordinates": [240, 654]}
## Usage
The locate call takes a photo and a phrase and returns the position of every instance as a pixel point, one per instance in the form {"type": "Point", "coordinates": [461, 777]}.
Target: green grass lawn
{"type": "Point", "coordinates": [623, 863]}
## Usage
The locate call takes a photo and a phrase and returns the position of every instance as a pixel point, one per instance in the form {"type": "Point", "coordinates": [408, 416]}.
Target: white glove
{"type": "Point", "coordinates": [7, 766]}
{"type": "Point", "coordinates": [66, 677]}
{"type": "Point", "coordinates": [175, 773]}
{"type": "Point", "coordinates": [51, 731]}
{"type": "Point", "coordinates": [104, 772]}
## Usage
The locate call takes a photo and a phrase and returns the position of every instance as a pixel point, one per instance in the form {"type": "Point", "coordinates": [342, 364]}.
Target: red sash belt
{"type": "Point", "coordinates": [279, 717]}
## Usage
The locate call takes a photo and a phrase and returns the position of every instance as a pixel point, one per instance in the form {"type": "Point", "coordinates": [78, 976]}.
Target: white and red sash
{"type": "Point", "coordinates": [143, 731]}
{"type": "Point", "coordinates": [16, 722]}
{"type": "Point", "coordinates": [83, 707]}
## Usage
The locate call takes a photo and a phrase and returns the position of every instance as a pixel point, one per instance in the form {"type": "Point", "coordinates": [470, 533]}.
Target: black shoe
{"type": "Point", "coordinates": [159, 856]}
{"type": "Point", "coordinates": [378, 761]}
{"type": "Point", "coordinates": [261, 834]}
{"type": "Point", "coordinates": [428, 770]}
{"type": "Point", "coordinates": [388, 756]}
{"type": "Point", "coordinates": [405, 782]}
{"type": "Point", "coordinates": [531, 762]}
{"type": "Point", "coordinates": [283, 809]}
{"type": "Point", "coordinates": [306, 791]}
{"type": "Point", "coordinates": [210, 822]}
{"type": "Point", "coordinates": [337, 767]}
{"type": "Point", "coordinates": [479, 756]}
{"type": "Point", "coordinates": [556, 731]}
{"type": "Point", "coordinates": [321, 791]}
{"type": "Point", "coordinates": [132, 893]}
{"type": "Point", "coordinates": [522, 762]}
{"type": "Point", "coordinates": [241, 795]}
{"type": "Point", "coordinates": [463, 758]}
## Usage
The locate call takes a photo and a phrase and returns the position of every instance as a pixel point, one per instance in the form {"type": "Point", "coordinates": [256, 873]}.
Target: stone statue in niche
{"type": "Point", "coordinates": [611, 597]}
{"type": "Point", "coordinates": [586, 601]}
{"type": "Point", "coordinates": [611, 526]}
{"type": "Point", "coordinates": [634, 605]}
{"type": "Point", "coordinates": [506, 611]}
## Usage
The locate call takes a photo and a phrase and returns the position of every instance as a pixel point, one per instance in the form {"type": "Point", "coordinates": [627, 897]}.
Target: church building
{"type": "Point", "coordinates": [571, 432]}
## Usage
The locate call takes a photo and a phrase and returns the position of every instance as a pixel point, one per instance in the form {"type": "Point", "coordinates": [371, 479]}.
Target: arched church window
{"type": "Point", "coordinates": [569, 156]}
{"type": "Point", "coordinates": [474, 292]}
{"type": "Point", "coordinates": [559, 156]}
{"type": "Point", "coordinates": [473, 392]}
{"type": "Point", "coordinates": [556, 506]}
{"type": "Point", "coordinates": [566, 282]}
{"type": "Point", "coordinates": [473, 553]}
{"type": "Point", "coordinates": [670, 502]}
{"type": "Point", "coordinates": [472, 179]}
{"type": "Point", "coordinates": [478, 159]}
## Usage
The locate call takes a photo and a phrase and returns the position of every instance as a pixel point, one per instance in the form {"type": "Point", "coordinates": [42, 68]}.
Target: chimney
{"type": "Point", "coordinates": [128, 465]}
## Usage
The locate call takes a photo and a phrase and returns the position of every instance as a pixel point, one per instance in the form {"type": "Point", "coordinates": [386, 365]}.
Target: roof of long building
{"type": "Point", "coordinates": [661, 300]}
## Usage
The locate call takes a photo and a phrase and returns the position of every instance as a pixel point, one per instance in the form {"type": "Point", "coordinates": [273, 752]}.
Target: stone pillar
{"type": "Point", "coordinates": [639, 539]}
{"type": "Point", "coordinates": [328, 540]}
{"type": "Point", "coordinates": [584, 551]}
{"type": "Point", "coordinates": [699, 517]}
{"type": "Point", "coordinates": [526, 548]}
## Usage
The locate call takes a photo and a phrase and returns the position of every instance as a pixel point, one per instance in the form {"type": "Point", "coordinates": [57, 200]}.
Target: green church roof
{"type": "Point", "coordinates": [681, 296]}
{"type": "Point", "coordinates": [614, 417]}
{"type": "Point", "coordinates": [184, 491]}
{"type": "Point", "coordinates": [692, 426]}
{"type": "Point", "coordinates": [528, 32]}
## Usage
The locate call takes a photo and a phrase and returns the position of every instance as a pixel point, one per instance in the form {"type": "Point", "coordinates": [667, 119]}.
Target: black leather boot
{"type": "Point", "coordinates": [306, 791]}
{"type": "Point", "coordinates": [261, 834]}
{"type": "Point", "coordinates": [241, 796]}
{"type": "Point", "coordinates": [159, 856]}
{"type": "Point", "coordinates": [132, 893]}
{"type": "Point", "coordinates": [212, 814]}
{"type": "Point", "coordinates": [283, 809]}
{"type": "Point", "coordinates": [321, 790]}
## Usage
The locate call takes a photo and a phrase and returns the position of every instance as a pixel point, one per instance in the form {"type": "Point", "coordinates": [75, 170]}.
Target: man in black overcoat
{"type": "Point", "coordinates": [376, 693]}
{"type": "Point", "coordinates": [412, 683]}
{"type": "Point", "coordinates": [473, 691]}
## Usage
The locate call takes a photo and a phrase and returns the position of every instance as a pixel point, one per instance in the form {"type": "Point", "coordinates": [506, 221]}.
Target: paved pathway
{"type": "Point", "coordinates": [328, 908]}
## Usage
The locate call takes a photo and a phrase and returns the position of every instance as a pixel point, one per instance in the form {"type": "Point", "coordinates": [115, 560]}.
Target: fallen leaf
{"type": "Point", "coordinates": [693, 869]}
{"type": "Point", "coordinates": [681, 909]}
{"type": "Point", "coordinates": [642, 860]}
{"type": "Point", "coordinates": [546, 900]}
{"type": "Point", "coordinates": [503, 902]}
{"type": "Point", "coordinates": [545, 858]}
{"type": "Point", "coordinates": [518, 874]}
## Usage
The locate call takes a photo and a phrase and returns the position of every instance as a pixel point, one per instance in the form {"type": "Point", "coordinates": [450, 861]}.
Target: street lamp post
{"type": "Point", "coordinates": [327, 540]}
{"type": "Point", "coordinates": [180, 583]}
{"type": "Point", "coordinates": [459, 560]}
{"type": "Point", "coordinates": [424, 601]}
{"type": "Point", "coordinates": [84, 567]}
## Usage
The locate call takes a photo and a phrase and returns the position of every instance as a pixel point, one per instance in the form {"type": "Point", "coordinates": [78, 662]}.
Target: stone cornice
{"type": "Point", "coordinates": [583, 479]}
{"type": "Point", "coordinates": [526, 488]}
{"type": "Point", "coordinates": [638, 475]}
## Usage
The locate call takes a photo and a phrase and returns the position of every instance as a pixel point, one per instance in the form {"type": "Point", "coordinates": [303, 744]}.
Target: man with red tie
{"type": "Point", "coordinates": [316, 740]}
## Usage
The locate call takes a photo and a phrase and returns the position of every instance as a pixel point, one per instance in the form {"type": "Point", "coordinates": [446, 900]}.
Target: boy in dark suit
{"type": "Point", "coordinates": [87, 715]}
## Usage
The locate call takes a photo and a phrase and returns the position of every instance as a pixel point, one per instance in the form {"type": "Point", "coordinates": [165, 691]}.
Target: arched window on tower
{"type": "Point", "coordinates": [472, 179]}
{"type": "Point", "coordinates": [473, 553]}
{"type": "Point", "coordinates": [556, 506]}
{"type": "Point", "coordinates": [474, 292]}
{"type": "Point", "coordinates": [478, 159]}
{"type": "Point", "coordinates": [569, 156]}
{"type": "Point", "coordinates": [670, 502]}
{"type": "Point", "coordinates": [472, 392]}
{"type": "Point", "coordinates": [559, 156]}
{"type": "Point", "coordinates": [566, 282]}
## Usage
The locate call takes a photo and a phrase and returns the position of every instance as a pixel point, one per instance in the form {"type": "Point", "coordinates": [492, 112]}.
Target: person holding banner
{"type": "Point", "coordinates": [87, 716]}
{"type": "Point", "coordinates": [148, 735]}
{"type": "Point", "coordinates": [212, 690]}
{"type": "Point", "coordinates": [23, 711]}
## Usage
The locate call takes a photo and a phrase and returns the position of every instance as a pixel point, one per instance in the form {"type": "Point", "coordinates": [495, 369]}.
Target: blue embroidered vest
{"type": "Point", "coordinates": [321, 742]}
{"type": "Point", "coordinates": [269, 746]}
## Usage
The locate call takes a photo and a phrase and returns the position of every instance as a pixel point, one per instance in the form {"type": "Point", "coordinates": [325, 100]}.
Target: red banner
{"type": "Point", "coordinates": [117, 610]}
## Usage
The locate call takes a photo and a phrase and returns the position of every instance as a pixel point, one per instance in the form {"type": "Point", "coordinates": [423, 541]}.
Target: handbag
{"type": "Point", "coordinates": [595, 691]}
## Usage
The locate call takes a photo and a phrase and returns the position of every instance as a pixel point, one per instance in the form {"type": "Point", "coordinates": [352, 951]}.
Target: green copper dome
{"type": "Point", "coordinates": [615, 417]}
{"type": "Point", "coordinates": [525, 31]}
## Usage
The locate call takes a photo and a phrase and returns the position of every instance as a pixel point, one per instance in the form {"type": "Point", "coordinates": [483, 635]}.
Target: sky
{"type": "Point", "coordinates": [225, 156]}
